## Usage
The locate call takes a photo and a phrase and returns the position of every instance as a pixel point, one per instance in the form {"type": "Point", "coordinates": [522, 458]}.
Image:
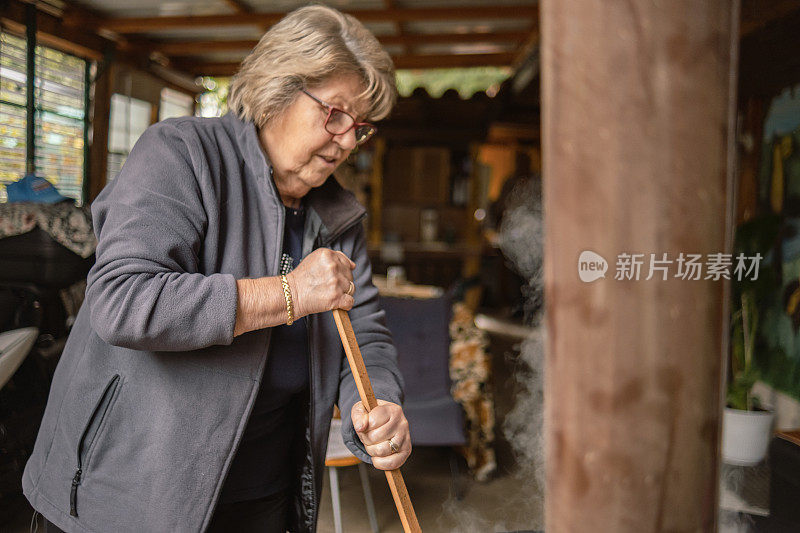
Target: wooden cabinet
{"type": "Point", "coordinates": [416, 176]}
{"type": "Point", "coordinates": [435, 183]}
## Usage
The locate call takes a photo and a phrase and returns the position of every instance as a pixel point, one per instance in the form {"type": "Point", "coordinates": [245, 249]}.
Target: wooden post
{"type": "Point", "coordinates": [31, 23]}
{"type": "Point", "coordinates": [471, 265]}
{"type": "Point", "coordinates": [753, 113]}
{"type": "Point", "coordinates": [376, 193]}
{"type": "Point", "coordinates": [636, 114]}
{"type": "Point", "coordinates": [101, 116]}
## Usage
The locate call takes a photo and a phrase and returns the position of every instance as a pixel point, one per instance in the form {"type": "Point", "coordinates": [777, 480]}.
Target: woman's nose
{"type": "Point", "coordinates": [346, 140]}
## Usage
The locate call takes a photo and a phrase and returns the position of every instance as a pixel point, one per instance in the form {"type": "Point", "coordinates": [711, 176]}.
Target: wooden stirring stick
{"type": "Point", "coordinates": [395, 477]}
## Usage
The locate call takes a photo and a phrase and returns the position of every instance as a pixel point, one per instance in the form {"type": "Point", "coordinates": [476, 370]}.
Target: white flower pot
{"type": "Point", "coordinates": [745, 436]}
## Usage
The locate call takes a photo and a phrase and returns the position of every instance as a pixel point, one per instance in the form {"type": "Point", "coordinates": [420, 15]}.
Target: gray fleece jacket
{"type": "Point", "coordinates": [152, 392]}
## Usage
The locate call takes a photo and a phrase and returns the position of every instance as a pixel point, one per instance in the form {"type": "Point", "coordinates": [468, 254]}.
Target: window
{"type": "Point", "coordinates": [13, 116]}
{"type": "Point", "coordinates": [175, 104]}
{"type": "Point", "coordinates": [60, 120]}
{"type": "Point", "coordinates": [59, 116]}
{"type": "Point", "coordinates": [129, 118]}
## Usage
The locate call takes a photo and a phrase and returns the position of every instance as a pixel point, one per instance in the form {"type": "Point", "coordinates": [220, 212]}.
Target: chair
{"type": "Point", "coordinates": [420, 327]}
{"type": "Point", "coordinates": [338, 456]}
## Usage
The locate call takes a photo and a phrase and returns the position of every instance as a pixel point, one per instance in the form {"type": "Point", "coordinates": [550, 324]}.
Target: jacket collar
{"type": "Point", "coordinates": [336, 207]}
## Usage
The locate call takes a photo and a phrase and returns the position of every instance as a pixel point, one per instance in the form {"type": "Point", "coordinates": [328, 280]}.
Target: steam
{"type": "Point", "coordinates": [521, 504]}
{"type": "Point", "coordinates": [742, 487]}
{"type": "Point", "coordinates": [735, 523]}
{"type": "Point", "coordinates": [522, 242]}
{"type": "Point", "coordinates": [523, 425]}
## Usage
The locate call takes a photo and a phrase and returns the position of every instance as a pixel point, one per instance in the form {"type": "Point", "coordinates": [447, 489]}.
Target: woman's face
{"type": "Point", "coordinates": [303, 154]}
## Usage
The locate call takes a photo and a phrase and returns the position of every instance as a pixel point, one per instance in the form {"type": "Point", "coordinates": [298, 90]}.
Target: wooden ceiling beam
{"type": "Point", "coordinates": [456, 38]}
{"type": "Point", "coordinates": [755, 14]}
{"type": "Point", "coordinates": [238, 6]}
{"type": "Point", "coordinates": [65, 45]}
{"type": "Point", "coordinates": [77, 16]}
{"type": "Point", "coordinates": [452, 60]}
{"type": "Point", "coordinates": [187, 48]}
{"type": "Point", "coordinates": [400, 62]}
{"type": "Point", "coordinates": [136, 51]}
{"type": "Point", "coordinates": [70, 35]}
{"type": "Point", "coordinates": [399, 28]}
{"type": "Point", "coordinates": [525, 65]}
{"type": "Point", "coordinates": [526, 48]}
{"type": "Point", "coordinates": [146, 24]}
{"type": "Point", "coordinates": [82, 19]}
{"type": "Point", "coordinates": [52, 31]}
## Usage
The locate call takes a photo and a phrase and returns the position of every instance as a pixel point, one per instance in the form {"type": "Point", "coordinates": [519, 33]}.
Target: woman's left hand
{"type": "Point", "coordinates": [375, 428]}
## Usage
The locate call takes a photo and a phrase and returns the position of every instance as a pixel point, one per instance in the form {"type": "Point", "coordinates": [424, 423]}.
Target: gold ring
{"type": "Point", "coordinates": [350, 289]}
{"type": "Point", "coordinates": [395, 448]}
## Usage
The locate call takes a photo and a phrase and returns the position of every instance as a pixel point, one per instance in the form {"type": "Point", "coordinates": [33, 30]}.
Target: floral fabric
{"type": "Point", "coordinates": [67, 224]}
{"type": "Point", "coordinates": [470, 374]}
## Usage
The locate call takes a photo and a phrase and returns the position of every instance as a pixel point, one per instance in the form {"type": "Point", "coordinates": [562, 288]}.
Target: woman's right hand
{"type": "Point", "coordinates": [321, 282]}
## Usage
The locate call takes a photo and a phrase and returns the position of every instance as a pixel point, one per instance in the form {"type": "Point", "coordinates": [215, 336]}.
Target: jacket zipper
{"type": "Point", "coordinates": [311, 413]}
{"type": "Point", "coordinates": [311, 427]}
{"type": "Point", "coordinates": [101, 408]}
{"type": "Point", "coordinates": [319, 242]}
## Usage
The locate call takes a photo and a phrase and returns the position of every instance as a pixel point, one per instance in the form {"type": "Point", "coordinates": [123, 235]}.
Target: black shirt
{"type": "Point", "coordinates": [264, 464]}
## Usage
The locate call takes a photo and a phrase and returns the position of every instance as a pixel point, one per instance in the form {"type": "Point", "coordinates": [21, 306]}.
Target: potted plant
{"type": "Point", "coordinates": [746, 425]}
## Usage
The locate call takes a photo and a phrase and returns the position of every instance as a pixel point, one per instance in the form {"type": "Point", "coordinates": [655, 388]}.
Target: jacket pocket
{"type": "Point", "coordinates": [89, 435]}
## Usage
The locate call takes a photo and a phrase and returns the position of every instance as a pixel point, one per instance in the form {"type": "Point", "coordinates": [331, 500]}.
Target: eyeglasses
{"type": "Point", "coordinates": [338, 122]}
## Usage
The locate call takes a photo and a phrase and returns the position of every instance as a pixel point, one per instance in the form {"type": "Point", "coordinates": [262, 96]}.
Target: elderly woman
{"type": "Point", "coordinates": [197, 386]}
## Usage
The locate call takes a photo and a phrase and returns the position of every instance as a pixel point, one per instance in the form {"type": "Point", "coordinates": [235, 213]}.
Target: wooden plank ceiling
{"type": "Point", "coordinates": [210, 37]}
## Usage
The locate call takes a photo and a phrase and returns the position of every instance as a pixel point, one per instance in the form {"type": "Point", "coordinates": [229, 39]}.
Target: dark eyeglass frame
{"type": "Point", "coordinates": [330, 109]}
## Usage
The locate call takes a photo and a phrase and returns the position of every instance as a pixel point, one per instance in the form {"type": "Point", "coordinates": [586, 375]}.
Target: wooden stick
{"type": "Point", "coordinates": [395, 478]}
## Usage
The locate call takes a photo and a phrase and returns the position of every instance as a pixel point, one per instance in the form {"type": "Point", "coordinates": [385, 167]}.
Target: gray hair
{"type": "Point", "coordinates": [304, 49]}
